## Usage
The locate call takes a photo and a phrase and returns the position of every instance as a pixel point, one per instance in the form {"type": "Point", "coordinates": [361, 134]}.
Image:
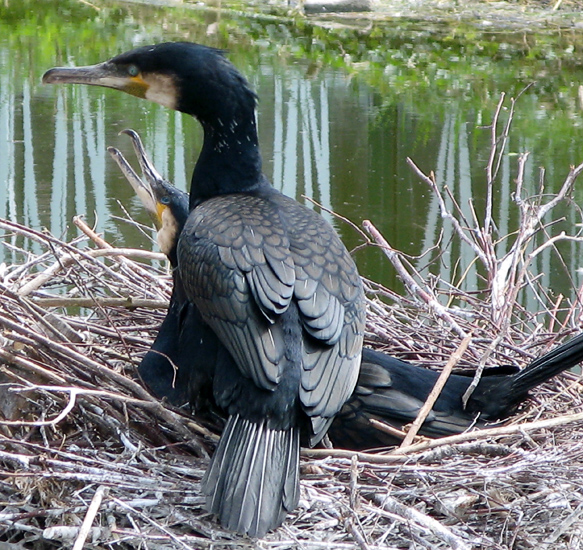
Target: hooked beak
{"type": "Point", "coordinates": [107, 75]}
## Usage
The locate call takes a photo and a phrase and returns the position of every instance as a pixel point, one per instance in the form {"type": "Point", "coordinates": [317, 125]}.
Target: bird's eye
{"type": "Point", "coordinates": [165, 200]}
{"type": "Point", "coordinates": [133, 70]}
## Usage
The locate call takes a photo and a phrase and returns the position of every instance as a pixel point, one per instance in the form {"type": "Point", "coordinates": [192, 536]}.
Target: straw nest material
{"type": "Point", "coordinates": [89, 459]}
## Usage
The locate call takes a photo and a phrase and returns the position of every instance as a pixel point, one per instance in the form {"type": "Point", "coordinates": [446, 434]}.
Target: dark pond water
{"type": "Point", "coordinates": [339, 112]}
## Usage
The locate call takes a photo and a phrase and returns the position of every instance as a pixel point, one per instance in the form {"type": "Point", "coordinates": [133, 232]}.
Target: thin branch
{"type": "Point", "coordinates": [445, 213]}
{"type": "Point", "coordinates": [130, 302]}
{"type": "Point", "coordinates": [436, 391]}
{"type": "Point", "coordinates": [489, 166]}
{"type": "Point", "coordinates": [411, 284]}
{"type": "Point", "coordinates": [416, 519]}
{"type": "Point", "coordinates": [89, 517]}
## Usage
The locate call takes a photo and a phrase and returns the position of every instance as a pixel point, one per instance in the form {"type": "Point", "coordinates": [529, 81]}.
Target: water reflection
{"type": "Point", "coordinates": [323, 134]}
{"type": "Point", "coordinates": [72, 126]}
{"type": "Point", "coordinates": [301, 140]}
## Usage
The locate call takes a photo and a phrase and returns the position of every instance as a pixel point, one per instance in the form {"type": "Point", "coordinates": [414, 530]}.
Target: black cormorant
{"type": "Point", "coordinates": [269, 277]}
{"type": "Point", "coordinates": [388, 389]}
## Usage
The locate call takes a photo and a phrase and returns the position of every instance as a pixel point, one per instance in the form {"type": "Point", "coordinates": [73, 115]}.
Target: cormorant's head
{"type": "Point", "coordinates": [166, 205]}
{"type": "Point", "coordinates": [199, 81]}
{"type": "Point", "coordinates": [183, 76]}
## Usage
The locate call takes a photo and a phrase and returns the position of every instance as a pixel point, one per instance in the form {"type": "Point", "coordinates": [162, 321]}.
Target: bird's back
{"type": "Point", "coordinates": [274, 281]}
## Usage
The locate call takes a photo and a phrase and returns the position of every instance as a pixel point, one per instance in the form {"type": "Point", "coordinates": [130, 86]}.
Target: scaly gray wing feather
{"type": "Point", "coordinates": [243, 259]}
{"type": "Point", "coordinates": [237, 268]}
{"type": "Point", "coordinates": [330, 298]}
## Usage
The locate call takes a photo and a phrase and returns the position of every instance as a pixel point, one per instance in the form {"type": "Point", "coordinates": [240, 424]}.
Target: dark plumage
{"type": "Point", "coordinates": [393, 391]}
{"type": "Point", "coordinates": [275, 291]}
{"type": "Point", "coordinates": [388, 389]}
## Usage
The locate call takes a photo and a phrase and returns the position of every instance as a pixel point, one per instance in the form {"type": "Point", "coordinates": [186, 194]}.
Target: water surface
{"type": "Point", "coordinates": [337, 119]}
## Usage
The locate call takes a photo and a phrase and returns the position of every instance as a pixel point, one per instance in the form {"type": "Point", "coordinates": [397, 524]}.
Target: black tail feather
{"type": "Point", "coordinates": [552, 363]}
{"type": "Point", "coordinates": [394, 391]}
{"type": "Point", "coordinates": [252, 481]}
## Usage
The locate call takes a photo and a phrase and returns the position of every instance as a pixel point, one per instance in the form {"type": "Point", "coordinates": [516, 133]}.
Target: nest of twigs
{"type": "Point", "coordinates": [88, 459]}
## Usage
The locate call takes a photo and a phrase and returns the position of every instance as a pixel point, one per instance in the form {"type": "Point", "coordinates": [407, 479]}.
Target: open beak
{"type": "Point", "coordinates": [145, 188]}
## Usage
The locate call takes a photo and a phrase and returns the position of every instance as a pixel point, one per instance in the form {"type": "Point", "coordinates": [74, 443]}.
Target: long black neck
{"type": "Point", "coordinates": [229, 161]}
